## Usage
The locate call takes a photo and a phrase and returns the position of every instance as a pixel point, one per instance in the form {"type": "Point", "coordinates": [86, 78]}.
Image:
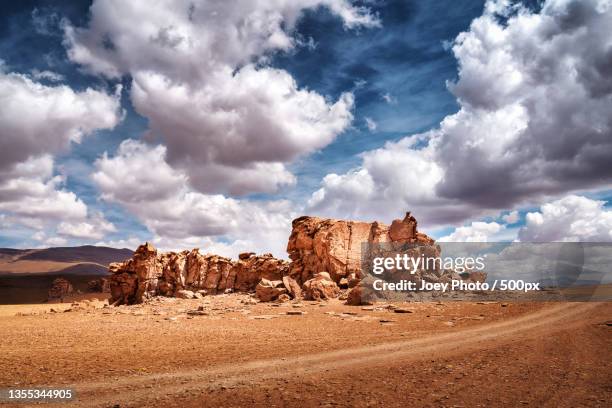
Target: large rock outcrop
{"type": "Point", "coordinates": [149, 273]}
{"type": "Point", "coordinates": [326, 255]}
{"type": "Point", "coordinates": [335, 246]}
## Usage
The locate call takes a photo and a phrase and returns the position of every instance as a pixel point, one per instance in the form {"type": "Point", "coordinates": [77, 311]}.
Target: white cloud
{"type": "Point", "coordinates": [55, 241]}
{"type": "Point", "coordinates": [233, 134]}
{"type": "Point", "coordinates": [371, 124]}
{"type": "Point", "coordinates": [179, 217]}
{"type": "Point", "coordinates": [199, 74]}
{"type": "Point", "coordinates": [535, 121]}
{"type": "Point", "coordinates": [36, 119]}
{"type": "Point", "coordinates": [96, 227]}
{"type": "Point", "coordinates": [476, 232]}
{"type": "Point", "coordinates": [32, 196]}
{"type": "Point", "coordinates": [571, 218]}
{"type": "Point", "coordinates": [129, 243]}
{"type": "Point", "coordinates": [391, 180]}
{"type": "Point", "coordinates": [511, 218]}
{"type": "Point", "coordinates": [48, 75]}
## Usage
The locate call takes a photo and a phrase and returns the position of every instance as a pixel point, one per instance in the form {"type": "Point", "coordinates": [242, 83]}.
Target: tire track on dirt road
{"type": "Point", "coordinates": [138, 389]}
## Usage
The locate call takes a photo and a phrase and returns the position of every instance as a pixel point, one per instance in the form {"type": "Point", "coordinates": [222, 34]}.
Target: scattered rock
{"type": "Point", "coordinates": [321, 287]}
{"type": "Point", "coordinates": [184, 294]}
{"type": "Point", "coordinates": [359, 296]}
{"type": "Point", "coordinates": [197, 312]}
{"type": "Point", "coordinates": [295, 312]}
{"type": "Point", "coordinates": [263, 317]}
{"type": "Point", "coordinates": [294, 289]}
{"type": "Point", "coordinates": [402, 310]}
{"type": "Point", "coordinates": [268, 290]}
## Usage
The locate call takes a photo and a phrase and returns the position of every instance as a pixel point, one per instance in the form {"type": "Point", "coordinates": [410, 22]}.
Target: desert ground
{"type": "Point", "coordinates": [230, 351]}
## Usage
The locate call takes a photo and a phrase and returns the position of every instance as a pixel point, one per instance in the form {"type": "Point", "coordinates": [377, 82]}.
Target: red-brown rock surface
{"type": "Point", "coordinates": [59, 289]}
{"type": "Point", "coordinates": [321, 287]}
{"type": "Point", "coordinates": [335, 246]}
{"type": "Point", "coordinates": [150, 273]}
{"type": "Point", "coordinates": [326, 255]}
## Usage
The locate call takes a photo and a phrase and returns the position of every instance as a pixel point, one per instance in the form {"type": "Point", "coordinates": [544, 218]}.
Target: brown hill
{"type": "Point", "coordinates": [87, 253]}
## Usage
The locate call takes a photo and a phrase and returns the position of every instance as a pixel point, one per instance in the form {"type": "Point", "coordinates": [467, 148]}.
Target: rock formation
{"type": "Point", "coordinates": [335, 246]}
{"type": "Point", "coordinates": [59, 289]}
{"type": "Point", "coordinates": [149, 273]}
{"type": "Point", "coordinates": [326, 255]}
{"type": "Point", "coordinates": [99, 285]}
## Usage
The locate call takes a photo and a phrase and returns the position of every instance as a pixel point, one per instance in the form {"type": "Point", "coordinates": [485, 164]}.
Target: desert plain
{"type": "Point", "coordinates": [230, 350]}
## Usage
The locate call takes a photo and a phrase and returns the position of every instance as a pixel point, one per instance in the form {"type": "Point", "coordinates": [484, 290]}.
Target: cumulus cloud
{"type": "Point", "coordinates": [32, 196]}
{"type": "Point", "coordinates": [94, 228]}
{"type": "Point", "coordinates": [535, 120]}
{"type": "Point", "coordinates": [571, 218]}
{"type": "Point", "coordinates": [476, 232]}
{"type": "Point", "coordinates": [36, 119]}
{"type": "Point", "coordinates": [36, 122]}
{"type": "Point", "coordinates": [200, 75]}
{"type": "Point", "coordinates": [177, 216]}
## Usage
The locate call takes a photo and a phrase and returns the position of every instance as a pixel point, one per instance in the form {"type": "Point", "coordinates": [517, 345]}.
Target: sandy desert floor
{"type": "Point", "coordinates": [226, 351]}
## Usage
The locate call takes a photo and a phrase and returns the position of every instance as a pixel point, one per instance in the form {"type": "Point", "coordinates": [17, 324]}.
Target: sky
{"type": "Point", "coordinates": [213, 124]}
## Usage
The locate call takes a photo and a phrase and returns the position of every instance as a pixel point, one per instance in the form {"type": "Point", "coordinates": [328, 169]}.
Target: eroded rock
{"type": "Point", "coordinates": [325, 255]}
{"type": "Point", "coordinates": [321, 287]}
{"type": "Point", "coordinates": [269, 290]}
{"type": "Point", "coordinates": [187, 273]}
{"type": "Point", "coordinates": [60, 288]}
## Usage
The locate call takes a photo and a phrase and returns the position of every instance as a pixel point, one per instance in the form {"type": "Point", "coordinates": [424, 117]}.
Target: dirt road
{"type": "Point", "coordinates": [540, 355]}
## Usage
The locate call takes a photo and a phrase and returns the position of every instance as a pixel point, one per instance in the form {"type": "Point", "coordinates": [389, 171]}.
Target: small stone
{"type": "Point", "coordinates": [402, 310]}
{"type": "Point", "coordinates": [184, 294]}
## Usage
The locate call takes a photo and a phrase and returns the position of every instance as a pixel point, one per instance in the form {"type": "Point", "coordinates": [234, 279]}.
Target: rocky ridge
{"type": "Point", "coordinates": [326, 261]}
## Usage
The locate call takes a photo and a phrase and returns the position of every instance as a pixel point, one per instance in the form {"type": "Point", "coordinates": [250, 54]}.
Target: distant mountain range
{"type": "Point", "coordinates": [82, 260]}
{"type": "Point", "coordinates": [27, 274]}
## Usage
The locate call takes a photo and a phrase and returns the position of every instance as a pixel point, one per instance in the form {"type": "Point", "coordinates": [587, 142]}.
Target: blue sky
{"type": "Point", "coordinates": [192, 136]}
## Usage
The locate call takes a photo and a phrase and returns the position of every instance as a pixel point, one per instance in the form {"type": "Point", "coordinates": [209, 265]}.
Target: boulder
{"type": "Point", "coordinates": [184, 294]}
{"type": "Point", "coordinates": [99, 285]}
{"type": "Point", "coordinates": [267, 290]}
{"type": "Point", "coordinates": [321, 287]}
{"type": "Point", "coordinates": [360, 296]}
{"type": "Point", "coordinates": [60, 288]}
{"type": "Point", "coordinates": [293, 288]}
{"type": "Point", "coordinates": [250, 270]}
